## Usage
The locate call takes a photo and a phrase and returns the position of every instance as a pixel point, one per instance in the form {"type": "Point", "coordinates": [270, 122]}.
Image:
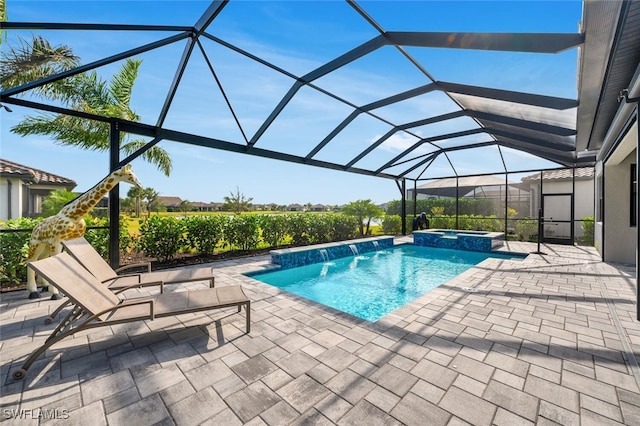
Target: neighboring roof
{"type": "Point", "coordinates": [584, 173]}
{"type": "Point", "coordinates": [447, 187]}
{"type": "Point", "coordinates": [33, 175]}
{"type": "Point", "coordinates": [170, 201]}
{"type": "Point", "coordinates": [200, 204]}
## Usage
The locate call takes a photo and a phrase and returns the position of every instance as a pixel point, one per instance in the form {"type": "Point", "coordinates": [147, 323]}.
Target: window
{"type": "Point", "coordinates": [633, 196]}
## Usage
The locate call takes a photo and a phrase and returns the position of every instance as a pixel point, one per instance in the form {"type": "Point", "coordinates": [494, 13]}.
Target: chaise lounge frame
{"type": "Point", "coordinates": [85, 254]}
{"type": "Point", "coordinates": [97, 306]}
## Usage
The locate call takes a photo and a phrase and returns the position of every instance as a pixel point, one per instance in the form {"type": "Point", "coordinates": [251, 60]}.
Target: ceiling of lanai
{"type": "Point", "coordinates": [392, 89]}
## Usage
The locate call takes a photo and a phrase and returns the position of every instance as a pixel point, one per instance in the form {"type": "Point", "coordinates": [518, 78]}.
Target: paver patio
{"type": "Point", "coordinates": [546, 339]}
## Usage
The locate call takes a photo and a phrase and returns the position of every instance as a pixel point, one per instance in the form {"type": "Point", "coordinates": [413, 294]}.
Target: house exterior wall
{"type": "Point", "coordinates": [619, 236]}
{"type": "Point", "coordinates": [17, 199]}
{"type": "Point", "coordinates": [583, 199]}
{"type": "Point", "coordinates": [11, 198]}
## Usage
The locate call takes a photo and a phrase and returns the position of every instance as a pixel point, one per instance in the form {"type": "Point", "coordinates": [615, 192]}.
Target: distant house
{"type": "Point", "coordinates": [23, 188]}
{"type": "Point", "coordinates": [319, 208]}
{"type": "Point", "coordinates": [199, 206]}
{"type": "Point", "coordinates": [172, 204]}
{"type": "Point", "coordinates": [295, 208]}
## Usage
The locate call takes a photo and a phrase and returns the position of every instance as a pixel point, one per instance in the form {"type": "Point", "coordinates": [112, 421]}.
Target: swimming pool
{"type": "Point", "coordinates": [373, 285]}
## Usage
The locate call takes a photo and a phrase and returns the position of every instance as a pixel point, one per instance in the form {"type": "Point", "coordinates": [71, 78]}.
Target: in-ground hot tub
{"type": "Point", "coordinates": [459, 240]}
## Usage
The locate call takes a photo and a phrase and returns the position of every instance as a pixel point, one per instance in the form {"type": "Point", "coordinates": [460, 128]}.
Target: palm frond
{"type": "Point", "coordinates": [122, 83]}
{"type": "Point", "coordinates": [66, 130]}
{"type": "Point", "coordinates": [155, 155]}
{"type": "Point", "coordinates": [32, 61]}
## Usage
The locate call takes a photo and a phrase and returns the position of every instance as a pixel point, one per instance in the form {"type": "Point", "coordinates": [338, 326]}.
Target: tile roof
{"type": "Point", "coordinates": [32, 175]}
{"type": "Point", "coordinates": [583, 173]}
{"type": "Point", "coordinates": [169, 201]}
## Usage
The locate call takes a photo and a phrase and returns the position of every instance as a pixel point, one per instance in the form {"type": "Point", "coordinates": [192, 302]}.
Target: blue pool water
{"type": "Point", "coordinates": [372, 285]}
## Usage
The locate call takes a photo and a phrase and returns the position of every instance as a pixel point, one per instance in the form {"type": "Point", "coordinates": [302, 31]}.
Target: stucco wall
{"type": "Point", "coordinates": [619, 236]}
{"type": "Point", "coordinates": [583, 200]}
{"type": "Point", "coordinates": [15, 201]}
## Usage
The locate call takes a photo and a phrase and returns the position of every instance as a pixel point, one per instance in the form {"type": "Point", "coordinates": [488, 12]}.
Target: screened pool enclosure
{"type": "Point", "coordinates": [412, 92]}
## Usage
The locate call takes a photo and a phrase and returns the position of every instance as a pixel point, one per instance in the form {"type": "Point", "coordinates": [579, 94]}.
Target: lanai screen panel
{"type": "Point", "coordinates": [381, 88]}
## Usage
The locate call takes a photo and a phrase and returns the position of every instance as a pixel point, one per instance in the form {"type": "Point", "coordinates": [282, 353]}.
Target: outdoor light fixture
{"type": "Point", "coordinates": [624, 94]}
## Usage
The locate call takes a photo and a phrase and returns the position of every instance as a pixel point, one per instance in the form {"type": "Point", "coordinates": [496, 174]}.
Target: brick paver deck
{"type": "Point", "coordinates": [549, 339]}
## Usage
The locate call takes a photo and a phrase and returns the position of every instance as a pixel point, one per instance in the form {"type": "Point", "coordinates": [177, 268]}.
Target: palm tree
{"type": "Point", "coordinates": [363, 210]}
{"type": "Point", "coordinates": [31, 61]}
{"type": "Point", "coordinates": [88, 93]}
{"type": "Point", "coordinates": [54, 202]}
{"type": "Point", "coordinates": [3, 17]}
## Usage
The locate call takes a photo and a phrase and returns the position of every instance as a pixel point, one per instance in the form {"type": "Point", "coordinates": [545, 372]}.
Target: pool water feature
{"type": "Point", "coordinates": [372, 285]}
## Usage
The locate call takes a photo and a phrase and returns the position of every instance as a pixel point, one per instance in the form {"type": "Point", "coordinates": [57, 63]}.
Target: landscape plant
{"type": "Point", "coordinates": [243, 232]}
{"type": "Point", "coordinates": [392, 224]}
{"type": "Point", "coordinates": [364, 211]}
{"type": "Point", "coordinates": [588, 227]}
{"type": "Point", "coordinates": [344, 227]}
{"type": "Point", "coordinates": [15, 250]}
{"type": "Point", "coordinates": [526, 229]}
{"type": "Point", "coordinates": [161, 237]}
{"type": "Point", "coordinates": [274, 228]}
{"type": "Point", "coordinates": [298, 226]}
{"type": "Point", "coordinates": [204, 233]}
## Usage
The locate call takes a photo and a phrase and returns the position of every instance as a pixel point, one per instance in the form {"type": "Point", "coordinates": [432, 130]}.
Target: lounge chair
{"type": "Point", "coordinates": [86, 255]}
{"type": "Point", "coordinates": [97, 306]}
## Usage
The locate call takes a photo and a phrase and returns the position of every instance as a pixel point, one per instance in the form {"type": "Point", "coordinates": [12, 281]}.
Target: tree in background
{"type": "Point", "coordinates": [128, 205]}
{"type": "Point", "coordinates": [185, 206]}
{"type": "Point", "coordinates": [364, 210]}
{"type": "Point", "coordinates": [56, 200]}
{"type": "Point", "coordinates": [237, 202]}
{"type": "Point", "coordinates": [136, 194]}
{"type": "Point", "coordinates": [150, 199]}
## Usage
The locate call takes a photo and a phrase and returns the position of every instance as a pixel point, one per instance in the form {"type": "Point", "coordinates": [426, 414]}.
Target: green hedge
{"type": "Point", "coordinates": [164, 237]}
{"type": "Point", "coordinates": [15, 249]}
{"type": "Point", "coordinates": [466, 206]}
{"type": "Point", "coordinates": [15, 245]}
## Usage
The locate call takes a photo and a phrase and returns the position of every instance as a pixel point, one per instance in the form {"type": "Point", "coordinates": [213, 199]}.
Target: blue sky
{"type": "Point", "coordinates": [298, 36]}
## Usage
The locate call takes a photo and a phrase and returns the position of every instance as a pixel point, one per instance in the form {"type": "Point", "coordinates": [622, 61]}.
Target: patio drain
{"type": "Point", "coordinates": [469, 289]}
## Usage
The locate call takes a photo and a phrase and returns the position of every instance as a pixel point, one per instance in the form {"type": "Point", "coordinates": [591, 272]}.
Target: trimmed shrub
{"type": "Point", "coordinates": [526, 229]}
{"type": "Point", "coordinates": [299, 225]}
{"type": "Point", "coordinates": [99, 238]}
{"type": "Point", "coordinates": [392, 224]}
{"type": "Point", "coordinates": [321, 228]}
{"type": "Point", "coordinates": [161, 237]}
{"type": "Point", "coordinates": [588, 229]}
{"type": "Point", "coordinates": [204, 233]}
{"type": "Point", "coordinates": [243, 231]}
{"type": "Point", "coordinates": [344, 227]}
{"type": "Point", "coordinates": [15, 249]}
{"type": "Point", "coordinates": [274, 228]}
